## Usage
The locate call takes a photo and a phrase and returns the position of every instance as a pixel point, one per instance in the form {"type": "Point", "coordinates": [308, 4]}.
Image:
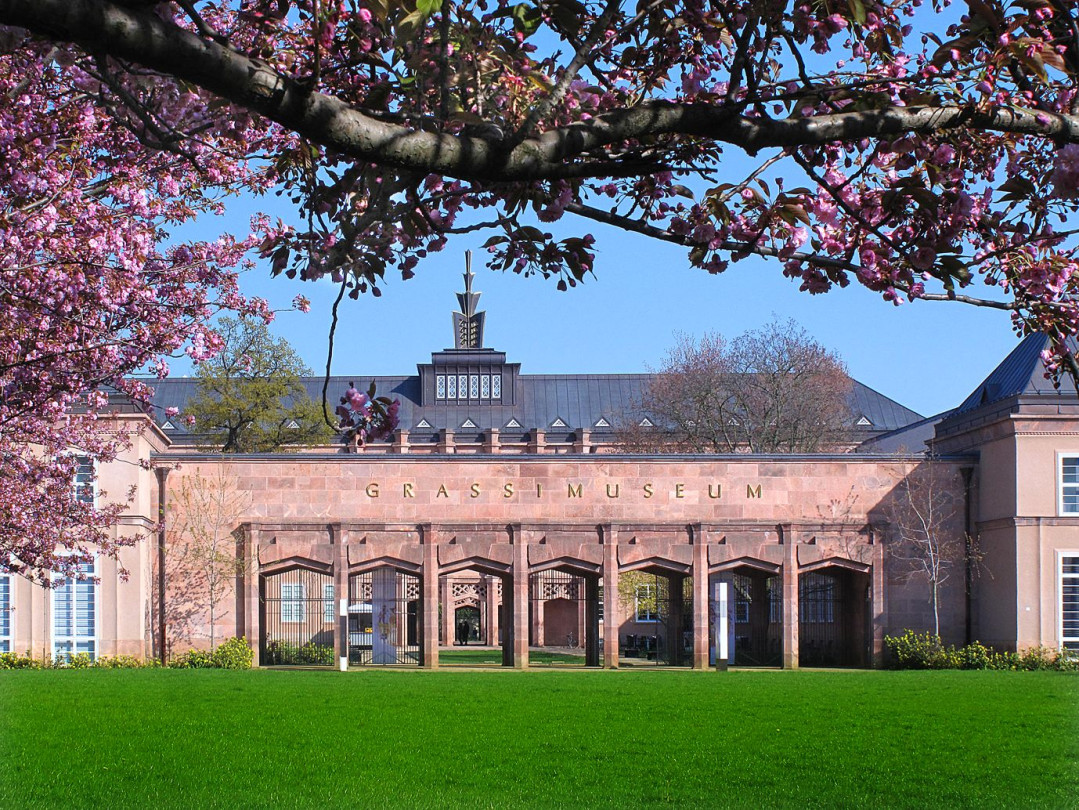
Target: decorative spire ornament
{"type": "Point", "coordinates": [468, 323]}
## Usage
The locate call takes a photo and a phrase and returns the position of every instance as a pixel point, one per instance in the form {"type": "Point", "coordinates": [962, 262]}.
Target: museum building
{"type": "Point", "coordinates": [500, 517]}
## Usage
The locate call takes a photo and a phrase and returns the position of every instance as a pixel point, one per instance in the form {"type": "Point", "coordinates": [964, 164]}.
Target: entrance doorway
{"type": "Point", "coordinates": [563, 619]}
{"type": "Point", "coordinates": [833, 618]}
{"type": "Point", "coordinates": [466, 623]}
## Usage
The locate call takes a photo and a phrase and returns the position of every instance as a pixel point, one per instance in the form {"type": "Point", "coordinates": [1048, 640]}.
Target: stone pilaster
{"type": "Point", "coordinates": [700, 599]}
{"type": "Point", "coordinates": [445, 441]}
{"type": "Point", "coordinates": [520, 600]}
{"type": "Point", "coordinates": [429, 587]}
{"type": "Point", "coordinates": [538, 442]}
{"type": "Point", "coordinates": [610, 598]}
{"type": "Point", "coordinates": [252, 628]}
{"type": "Point", "coordinates": [790, 597]}
{"type": "Point", "coordinates": [877, 603]}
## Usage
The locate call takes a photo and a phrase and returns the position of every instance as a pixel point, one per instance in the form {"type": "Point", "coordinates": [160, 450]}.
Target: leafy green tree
{"type": "Point", "coordinates": [250, 398]}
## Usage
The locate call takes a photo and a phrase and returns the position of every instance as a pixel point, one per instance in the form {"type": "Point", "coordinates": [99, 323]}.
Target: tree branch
{"type": "Point", "coordinates": [143, 37]}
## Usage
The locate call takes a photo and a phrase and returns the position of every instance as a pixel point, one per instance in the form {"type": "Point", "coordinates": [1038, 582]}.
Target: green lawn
{"type": "Point", "coordinates": [175, 738]}
{"type": "Point", "coordinates": [492, 657]}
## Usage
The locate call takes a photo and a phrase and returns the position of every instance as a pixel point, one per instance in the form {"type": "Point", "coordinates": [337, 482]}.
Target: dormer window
{"type": "Point", "coordinates": [468, 386]}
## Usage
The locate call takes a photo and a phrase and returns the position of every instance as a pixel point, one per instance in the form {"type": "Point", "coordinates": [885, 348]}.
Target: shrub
{"type": "Point", "coordinates": [926, 651]}
{"type": "Point", "coordinates": [919, 651]}
{"type": "Point", "coordinates": [193, 659]}
{"type": "Point", "coordinates": [233, 653]}
{"type": "Point", "coordinates": [11, 660]}
{"type": "Point", "coordinates": [975, 656]}
{"type": "Point", "coordinates": [310, 654]}
{"type": "Point", "coordinates": [125, 662]}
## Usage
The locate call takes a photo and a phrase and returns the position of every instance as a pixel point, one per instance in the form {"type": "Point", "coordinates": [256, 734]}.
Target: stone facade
{"type": "Point", "coordinates": [402, 557]}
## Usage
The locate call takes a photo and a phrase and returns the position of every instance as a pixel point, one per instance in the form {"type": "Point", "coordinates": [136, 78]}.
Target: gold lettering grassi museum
{"type": "Point", "coordinates": [574, 490]}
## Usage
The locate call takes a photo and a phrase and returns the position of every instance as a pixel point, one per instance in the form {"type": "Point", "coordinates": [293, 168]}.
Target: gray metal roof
{"type": "Point", "coordinates": [580, 401]}
{"type": "Point", "coordinates": [1020, 374]}
{"type": "Point", "coordinates": [910, 439]}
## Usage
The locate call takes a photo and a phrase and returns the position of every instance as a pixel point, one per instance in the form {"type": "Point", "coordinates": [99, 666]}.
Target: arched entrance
{"type": "Point", "coordinates": [564, 618]}
{"type": "Point", "coordinates": [756, 591]}
{"type": "Point", "coordinates": [833, 617]}
{"type": "Point", "coordinates": [383, 617]}
{"type": "Point", "coordinates": [467, 624]}
{"type": "Point", "coordinates": [472, 626]}
{"type": "Point", "coordinates": [657, 606]}
{"type": "Point", "coordinates": [298, 618]}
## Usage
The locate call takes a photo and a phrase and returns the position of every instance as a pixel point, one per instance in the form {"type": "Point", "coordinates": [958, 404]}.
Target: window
{"type": "Point", "coordinates": [1069, 601]}
{"type": "Point", "coordinates": [327, 603]}
{"type": "Point", "coordinates": [1069, 485]}
{"type": "Point", "coordinates": [485, 386]}
{"type": "Point", "coordinates": [74, 615]}
{"type": "Point", "coordinates": [84, 480]}
{"type": "Point", "coordinates": [474, 386]}
{"type": "Point", "coordinates": [451, 387]}
{"type": "Point", "coordinates": [5, 614]}
{"type": "Point", "coordinates": [817, 598]}
{"type": "Point", "coordinates": [496, 386]}
{"type": "Point", "coordinates": [292, 603]}
{"type": "Point", "coordinates": [645, 599]}
{"type": "Point", "coordinates": [462, 386]}
{"type": "Point", "coordinates": [440, 386]}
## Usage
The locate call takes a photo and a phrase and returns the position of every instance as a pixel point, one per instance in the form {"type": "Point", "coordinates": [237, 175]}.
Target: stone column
{"type": "Point", "coordinates": [340, 591]}
{"type": "Point", "coordinates": [520, 600]}
{"type": "Point", "coordinates": [790, 598]}
{"type": "Point", "coordinates": [252, 620]}
{"type": "Point", "coordinates": [429, 592]}
{"type": "Point", "coordinates": [700, 600]}
{"type": "Point", "coordinates": [877, 597]}
{"type": "Point", "coordinates": [610, 599]}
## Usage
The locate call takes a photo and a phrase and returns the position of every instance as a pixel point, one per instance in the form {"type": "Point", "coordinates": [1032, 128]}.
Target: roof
{"type": "Point", "coordinates": [1020, 374]}
{"type": "Point", "coordinates": [561, 404]}
{"type": "Point", "coordinates": [912, 438]}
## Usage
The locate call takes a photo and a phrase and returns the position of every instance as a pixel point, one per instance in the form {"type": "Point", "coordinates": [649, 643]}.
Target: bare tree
{"type": "Point", "coordinates": [207, 543]}
{"type": "Point", "coordinates": [771, 390]}
{"type": "Point", "coordinates": [929, 542]}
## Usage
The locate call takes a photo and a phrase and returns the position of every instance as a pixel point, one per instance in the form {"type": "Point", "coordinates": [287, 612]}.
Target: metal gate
{"type": "Point", "coordinates": [758, 620]}
{"type": "Point", "coordinates": [663, 605]}
{"type": "Point", "coordinates": [826, 615]}
{"type": "Point", "coordinates": [384, 618]}
{"type": "Point", "coordinates": [298, 618]}
{"type": "Point", "coordinates": [563, 619]}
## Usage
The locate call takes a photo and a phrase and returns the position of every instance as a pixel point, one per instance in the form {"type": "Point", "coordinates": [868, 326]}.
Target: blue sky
{"type": "Point", "coordinates": [927, 356]}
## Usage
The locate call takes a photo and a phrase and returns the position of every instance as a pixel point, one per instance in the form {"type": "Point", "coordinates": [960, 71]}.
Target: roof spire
{"type": "Point", "coordinates": [468, 323]}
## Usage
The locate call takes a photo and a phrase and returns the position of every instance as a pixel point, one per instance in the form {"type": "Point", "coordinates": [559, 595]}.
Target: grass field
{"type": "Point", "coordinates": [171, 738]}
{"type": "Point", "coordinates": [492, 657]}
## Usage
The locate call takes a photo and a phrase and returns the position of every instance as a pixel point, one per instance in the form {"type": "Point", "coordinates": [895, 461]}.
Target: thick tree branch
{"type": "Point", "coordinates": [143, 37]}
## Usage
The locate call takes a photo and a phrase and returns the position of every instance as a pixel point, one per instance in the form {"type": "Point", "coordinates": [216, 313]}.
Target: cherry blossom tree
{"type": "Point", "coordinates": [925, 150]}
